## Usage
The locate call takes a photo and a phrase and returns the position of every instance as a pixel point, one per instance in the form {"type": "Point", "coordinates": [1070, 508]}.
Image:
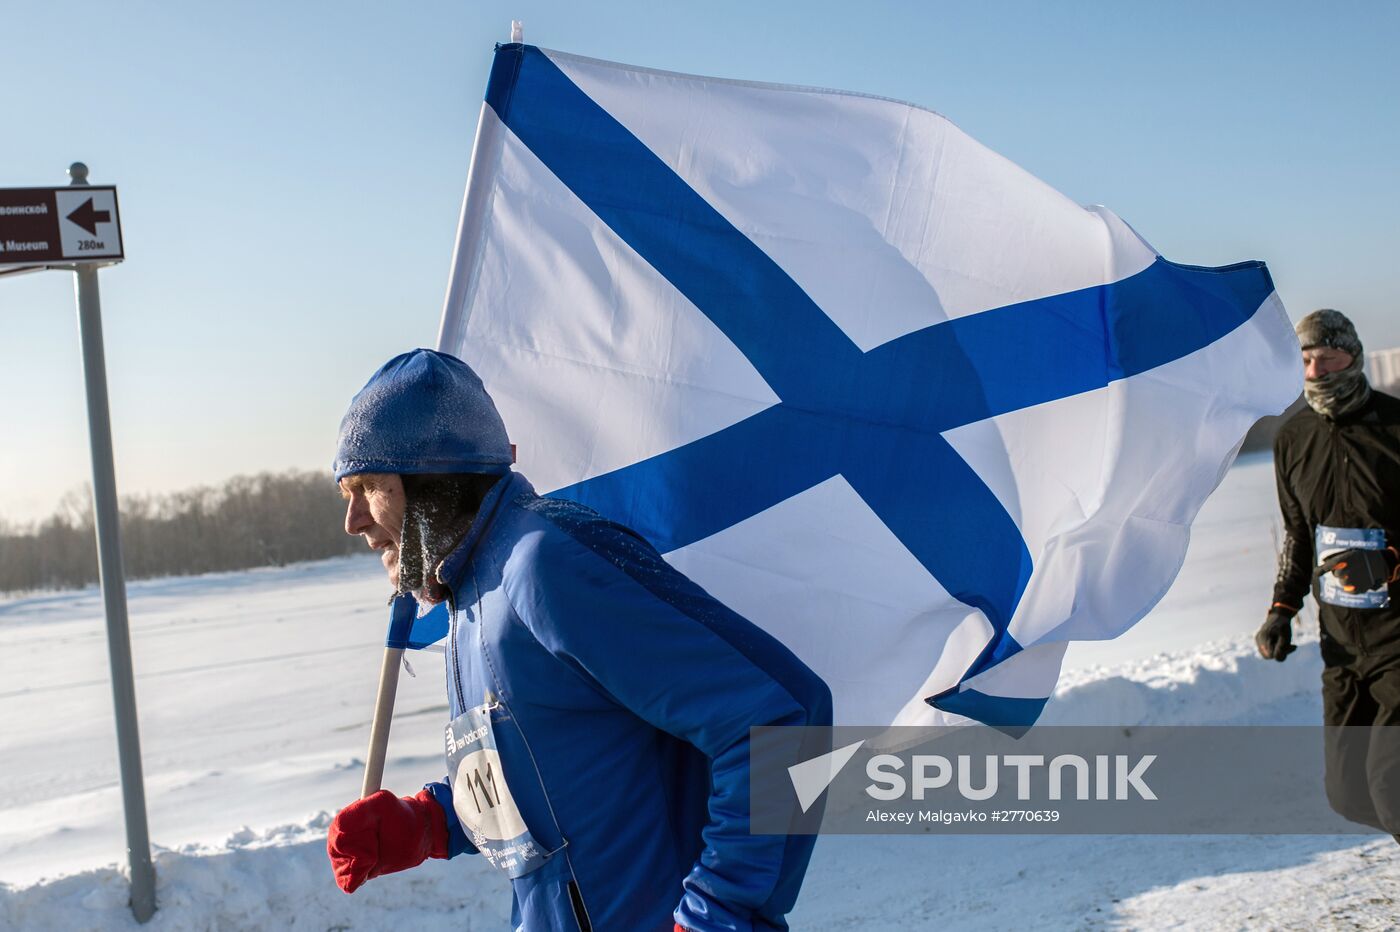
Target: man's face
{"type": "Point", "coordinates": [1324, 360]}
{"type": "Point", "coordinates": [374, 510]}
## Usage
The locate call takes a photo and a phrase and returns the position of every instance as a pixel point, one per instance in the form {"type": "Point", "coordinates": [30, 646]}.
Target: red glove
{"type": "Point", "coordinates": [382, 833]}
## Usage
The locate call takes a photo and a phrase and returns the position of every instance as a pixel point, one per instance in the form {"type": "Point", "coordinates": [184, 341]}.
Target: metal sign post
{"type": "Point", "coordinates": [77, 229]}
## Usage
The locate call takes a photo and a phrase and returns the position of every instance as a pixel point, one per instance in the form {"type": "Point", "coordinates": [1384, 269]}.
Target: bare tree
{"type": "Point", "coordinates": [269, 519]}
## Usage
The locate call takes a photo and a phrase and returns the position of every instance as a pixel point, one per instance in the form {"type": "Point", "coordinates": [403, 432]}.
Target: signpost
{"type": "Point", "coordinates": [78, 229]}
{"type": "Point", "coordinates": [43, 227]}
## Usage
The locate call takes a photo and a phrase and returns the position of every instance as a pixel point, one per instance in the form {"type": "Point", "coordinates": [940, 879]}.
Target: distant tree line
{"type": "Point", "coordinates": [269, 519]}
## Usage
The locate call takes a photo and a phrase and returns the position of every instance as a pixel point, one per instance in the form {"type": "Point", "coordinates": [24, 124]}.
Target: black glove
{"type": "Point", "coordinates": [1275, 637]}
{"type": "Point", "coordinates": [1362, 570]}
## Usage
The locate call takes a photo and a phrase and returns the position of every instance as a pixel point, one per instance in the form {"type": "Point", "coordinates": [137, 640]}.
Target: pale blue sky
{"type": "Point", "coordinates": [290, 175]}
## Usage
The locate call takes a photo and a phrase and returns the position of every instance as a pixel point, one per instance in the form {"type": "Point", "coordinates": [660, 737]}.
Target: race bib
{"type": "Point", "coordinates": [1330, 541]}
{"type": "Point", "coordinates": [482, 799]}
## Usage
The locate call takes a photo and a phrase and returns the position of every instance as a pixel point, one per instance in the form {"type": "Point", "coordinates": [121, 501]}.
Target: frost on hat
{"type": "Point", "coordinates": [1327, 327]}
{"type": "Point", "coordinates": [422, 412]}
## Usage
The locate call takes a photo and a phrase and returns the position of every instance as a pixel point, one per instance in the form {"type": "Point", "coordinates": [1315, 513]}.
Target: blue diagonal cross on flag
{"type": "Point", "coordinates": [603, 221]}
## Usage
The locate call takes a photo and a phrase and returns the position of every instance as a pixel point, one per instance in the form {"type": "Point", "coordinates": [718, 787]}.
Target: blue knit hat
{"type": "Point", "coordinates": [422, 412]}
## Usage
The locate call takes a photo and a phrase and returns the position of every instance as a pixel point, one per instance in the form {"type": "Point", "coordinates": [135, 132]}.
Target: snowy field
{"type": "Point", "coordinates": [255, 689]}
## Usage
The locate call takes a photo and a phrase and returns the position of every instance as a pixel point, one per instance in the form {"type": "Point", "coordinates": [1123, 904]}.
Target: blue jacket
{"type": "Point", "coordinates": [624, 694]}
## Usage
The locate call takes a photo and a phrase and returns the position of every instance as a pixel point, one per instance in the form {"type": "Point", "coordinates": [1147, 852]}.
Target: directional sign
{"type": "Point", "coordinates": [43, 226]}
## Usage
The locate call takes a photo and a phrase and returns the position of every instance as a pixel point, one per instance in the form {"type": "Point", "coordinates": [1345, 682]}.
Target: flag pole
{"type": "Point", "coordinates": [466, 258]}
{"type": "Point", "coordinates": [461, 279]}
{"type": "Point", "coordinates": [383, 717]}
{"type": "Point", "coordinates": [401, 615]}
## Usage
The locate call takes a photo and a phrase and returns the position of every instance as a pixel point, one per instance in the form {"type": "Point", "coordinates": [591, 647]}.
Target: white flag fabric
{"type": "Point", "coordinates": [881, 391]}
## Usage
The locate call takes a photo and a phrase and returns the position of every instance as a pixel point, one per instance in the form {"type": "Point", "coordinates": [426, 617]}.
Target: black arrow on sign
{"type": "Point", "coordinates": [87, 218]}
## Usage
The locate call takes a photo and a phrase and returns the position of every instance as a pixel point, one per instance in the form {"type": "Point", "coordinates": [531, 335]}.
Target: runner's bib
{"type": "Point", "coordinates": [481, 798]}
{"type": "Point", "coordinates": [1330, 541]}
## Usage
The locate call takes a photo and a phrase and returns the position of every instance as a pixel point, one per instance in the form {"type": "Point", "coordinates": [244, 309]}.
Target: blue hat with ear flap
{"type": "Point", "coordinates": [422, 412]}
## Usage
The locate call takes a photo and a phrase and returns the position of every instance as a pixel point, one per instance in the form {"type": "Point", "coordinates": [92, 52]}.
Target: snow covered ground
{"type": "Point", "coordinates": [254, 691]}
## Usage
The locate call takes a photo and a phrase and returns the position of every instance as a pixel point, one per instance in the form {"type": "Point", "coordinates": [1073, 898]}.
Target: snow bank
{"type": "Point", "coordinates": [274, 879]}
{"type": "Point", "coordinates": [1350, 888]}
{"type": "Point", "coordinates": [994, 883]}
{"type": "Point", "coordinates": [1222, 683]}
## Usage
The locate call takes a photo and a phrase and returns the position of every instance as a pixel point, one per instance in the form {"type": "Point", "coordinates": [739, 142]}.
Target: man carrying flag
{"type": "Point", "coordinates": [601, 701]}
{"type": "Point", "coordinates": [918, 416]}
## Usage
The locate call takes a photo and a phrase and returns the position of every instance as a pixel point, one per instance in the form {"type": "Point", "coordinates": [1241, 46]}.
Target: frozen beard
{"type": "Point", "coordinates": [438, 513]}
{"type": "Point", "coordinates": [1346, 390]}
